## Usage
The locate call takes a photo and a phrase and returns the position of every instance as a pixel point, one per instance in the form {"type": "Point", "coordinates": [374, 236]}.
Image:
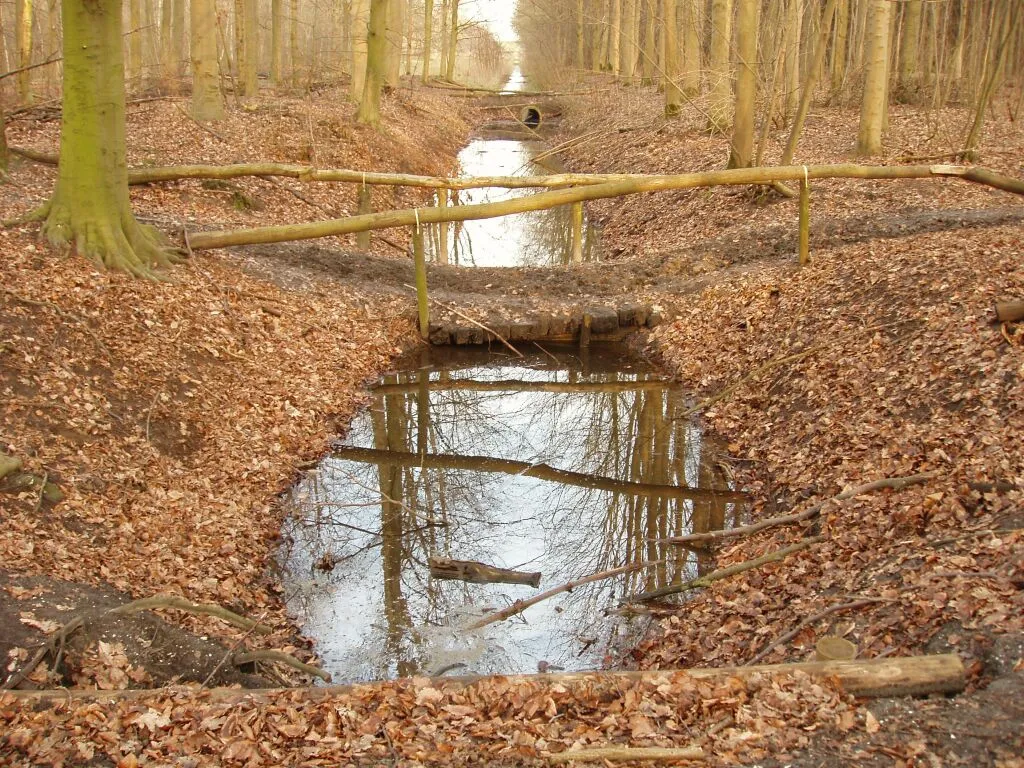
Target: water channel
{"type": "Point", "coordinates": [563, 462]}
{"type": "Point", "coordinates": [535, 239]}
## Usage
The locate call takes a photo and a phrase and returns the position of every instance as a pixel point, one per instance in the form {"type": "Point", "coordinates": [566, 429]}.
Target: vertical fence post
{"type": "Point", "coordinates": [805, 220]}
{"type": "Point", "coordinates": [442, 238]}
{"type": "Point", "coordinates": [365, 206]}
{"type": "Point", "coordinates": [577, 233]}
{"type": "Point", "coordinates": [422, 302]}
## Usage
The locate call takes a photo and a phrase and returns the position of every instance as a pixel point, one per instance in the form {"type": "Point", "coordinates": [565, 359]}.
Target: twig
{"type": "Point", "coordinates": [723, 573]}
{"type": "Point", "coordinates": [55, 641]}
{"type": "Point", "coordinates": [521, 605]}
{"type": "Point", "coordinates": [808, 622]}
{"type": "Point", "coordinates": [230, 654]}
{"type": "Point", "coordinates": [896, 483]}
{"type": "Point", "coordinates": [622, 754]}
{"type": "Point", "coordinates": [42, 492]}
{"type": "Point", "coordinates": [181, 604]}
{"type": "Point", "coordinates": [282, 658]}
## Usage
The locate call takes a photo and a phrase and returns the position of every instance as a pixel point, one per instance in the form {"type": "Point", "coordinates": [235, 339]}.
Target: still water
{"type": "Point", "coordinates": [535, 239]}
{"type": "Point", "coordinates": [458, 456]}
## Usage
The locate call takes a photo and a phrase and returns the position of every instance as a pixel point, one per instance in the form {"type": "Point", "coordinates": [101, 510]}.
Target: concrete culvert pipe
{"type": "Point", "coordinates": [530, 117]}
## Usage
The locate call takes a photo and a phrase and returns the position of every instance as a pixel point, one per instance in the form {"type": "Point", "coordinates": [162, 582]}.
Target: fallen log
{"type": "Point", "coordinates": [475, 572]}
{"type": "Point", "coordinates": [626, 754]}
{"type": "Point", "coordinates": [868, 678]}
{"type": "Point", "coordinates": [600, 191]}
{"type": "Point", "coordinates": [1010, 311]}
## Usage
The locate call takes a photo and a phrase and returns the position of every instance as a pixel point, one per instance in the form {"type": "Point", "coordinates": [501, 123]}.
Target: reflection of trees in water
{"type": "Point", "coordinates": [637, 436]}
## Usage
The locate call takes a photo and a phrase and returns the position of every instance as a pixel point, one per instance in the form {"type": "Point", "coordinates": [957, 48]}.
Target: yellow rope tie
{"type": "Point", "coordinates": [807, 178]}
{"type": "Point", "coordinates": [416, 213]}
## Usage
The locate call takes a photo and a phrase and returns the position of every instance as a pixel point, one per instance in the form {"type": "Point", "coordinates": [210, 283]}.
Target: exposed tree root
{"type": "Point", "coordinates": [281, 658]}
{"type": "Point", "coordinates": [118, 243]}
{"type": "Point", "coordinates": [181, 604]}
{"type": "Point", "coordinates": [808, 622]}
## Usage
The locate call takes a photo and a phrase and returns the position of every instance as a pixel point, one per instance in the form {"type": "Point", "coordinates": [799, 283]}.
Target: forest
{"type": "Point", "coordinates": [512, 382]}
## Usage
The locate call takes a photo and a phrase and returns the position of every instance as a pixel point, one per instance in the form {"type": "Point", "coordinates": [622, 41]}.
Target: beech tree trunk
{"type": "Point", "coordinates": [428, 34]}
{"type": "Point", "coordinates": [742, 149]}
{"type": "Point", "coordinates": [207, 100]}
{"type": "Point", "coordinates": [616, 37]}
{"type": "Point", "coordinates": [247, 46]}
{"type": "Point", "coordinates": [453, 40]}
{"type": "Point", "coordinates": [360, 29]}
{"type": "Point", "coordinates": [376, 60]}
{"type": "Point", "coordinates": [873, 106]}
{"type": "Point", "coordinates": [691, 47]}
{"type": "Point", "coordinates": [839, 40]}
{"type": "Point", "coordinates": [134, 41]}
{"type": "Point", "coordinates": [396, 26]}
{"type": "Point", "coordinates": [794, 20]}
{"type": "Point", "coordinates": [277, 41]}
{"type": "Point", "coordinates": [90, 209]}
{"type": "Point", "coordinates": [909, 73]}
{"type": "Point", "coordinates": [720, 71]}
{"type": "Point", "coordinates": [673, 93]}
{"type": "Point", "coordinates": [23, 34]}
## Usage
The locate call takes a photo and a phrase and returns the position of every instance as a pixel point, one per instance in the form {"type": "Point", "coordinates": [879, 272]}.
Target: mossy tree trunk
{"type": "Point", "coordinates": [90, 209]}
{"type": "Point", "coordinates": [207, 100]}
{"type": "Point", "coordinates": [376, 61]}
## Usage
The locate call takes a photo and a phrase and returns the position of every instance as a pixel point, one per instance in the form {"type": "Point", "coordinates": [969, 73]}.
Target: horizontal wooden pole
{"type": "Point", "coordinates": [869, 678]}
{"type": "Point", "coordinates": [553, 199]}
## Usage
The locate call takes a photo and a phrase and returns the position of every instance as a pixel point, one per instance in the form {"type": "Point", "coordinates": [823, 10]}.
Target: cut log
{"type": "Point", "coordinates": [1010, 311]}
{"type": "Point", "coordinates": [480, 573]}
{"type": "Point", "coordinates": [869, 678]}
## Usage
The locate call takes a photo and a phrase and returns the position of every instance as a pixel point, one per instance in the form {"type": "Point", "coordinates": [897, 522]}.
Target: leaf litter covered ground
{"type": "Point", "coordinates": [171, 414]}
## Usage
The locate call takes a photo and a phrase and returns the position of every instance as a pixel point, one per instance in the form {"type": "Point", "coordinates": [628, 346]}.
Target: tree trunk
{"type": "Point", "coordinates": [647, 43]}
{"type": "Point", "coordinates": [428, 34]}
{"type": "Point", "coordinates": [442, 68]}
{"type": "Point", "coordinates": [616, 37]}
{"type": "Point", "coordinates": [277, 41]}
{"type": "Point", "coordinates": [691, 53]}
{"type": "Point", "coordinates": [90, 208]}
{"type": "Point", "coordinates": [909, 73]}
{"type": "Point", "coordinates": [794, 20]}
{"type": "Point", "coordinates": [396, 26]}
{"type": "Point", "coordinates": [134, 73]}
{"type": "Point", "coordinates": [207, 100]}
{"type": "Point", "coordinates": [720, 71]}
{"type": "Point", "coordinates": [294, 51]}
{"type": "Point", "coordinates": [453, 40]}
{"type": "Point", "coordinates": [360, 25]}
{"type": "Point", "coordinates": [742, 150]}
{"type": "Point", "coordinates": [628, 67]}
{"type": "Point", "coordinates": [839, 40]}
{"type": "Point", "coordinates": [376, 60]}
{"type": "Point", "coordinates": [673, 94]}
{"type": "Point", "coordinates": [249, 50]}
{"type": "Point", "coordinates": [23, 32]}
{"type": "Point", "coordinates": [580, 37]}
{"type": "Point", "coordinates": [873, 107]}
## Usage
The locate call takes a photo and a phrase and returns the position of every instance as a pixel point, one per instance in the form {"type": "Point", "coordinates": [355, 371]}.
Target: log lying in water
{"type": "Point", "coordinates": [480, 573]}
{"type": "Point", "coordinates": [868, 678]}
